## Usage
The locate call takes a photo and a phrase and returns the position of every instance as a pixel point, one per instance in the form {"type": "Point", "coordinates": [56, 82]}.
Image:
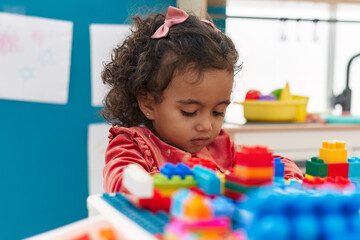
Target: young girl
{"type": "Point", "coordinates": [170, 82]}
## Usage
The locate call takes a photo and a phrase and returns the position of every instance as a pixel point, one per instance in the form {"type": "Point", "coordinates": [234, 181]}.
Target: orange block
{"type": "Point", "coordinates": [107, 234]}
{"type": "Point", "coordinates": [333, 152]}
{"type": "Point", "coordinates": [196, 208]}
{"type": "Point", "coordinates": [253, 172]}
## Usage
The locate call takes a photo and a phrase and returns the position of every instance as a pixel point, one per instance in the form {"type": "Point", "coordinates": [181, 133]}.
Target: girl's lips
{"type": "Point", "coordinates": [200, 141]}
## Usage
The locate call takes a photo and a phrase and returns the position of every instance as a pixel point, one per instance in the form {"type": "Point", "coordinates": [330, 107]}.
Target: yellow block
{"type": "Point", "coordinates": [333, 152]}
{"type": "Point", "coordinates": [254, 172]}
{"type": "Point", "coordinates": [285, 94]}
{"type": "Point", "coordinates": [170, 236]}
{"type": "Point", "coordinates": [221, 176]}
{"type": "Point", "coordinates": [309, 177]}
{"type": "Point", "coordinates": [167, 192]}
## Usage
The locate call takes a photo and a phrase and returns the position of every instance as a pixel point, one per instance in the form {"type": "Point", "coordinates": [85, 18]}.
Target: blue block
{"type": "Point", "coordinates": [153, 223]}
{"type": "Point", "coordinates": [180, 169]}
{"type": "Point", "coordinates": [279, 182]}
{"type": "Point", "coordinates": [322, 214]}
{"type": "Point", "coordinates": [207, 180]}
{"type": "Point", "coordinates": [223, 206]}
{"type": "Point", "coordinates": [279, 168]}
{"type": "Point", "coordinates": [271, 227]}
{"type": "Point", "coordinates": [306, 226]}
{"type": "Point", "coordinates": [356, 182]}
{"type": "Point", "coordinates": [354, 167]}
{"type": "Point", "coordinates": [177, 201]}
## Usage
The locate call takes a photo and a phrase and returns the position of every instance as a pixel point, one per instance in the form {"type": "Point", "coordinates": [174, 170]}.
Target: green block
{"type": "Point", "coordinates": [237, 188]}
{"type": "Point", "coordinates": [316, 167]}
{"type": "Point", "coordinates": [163, 182]}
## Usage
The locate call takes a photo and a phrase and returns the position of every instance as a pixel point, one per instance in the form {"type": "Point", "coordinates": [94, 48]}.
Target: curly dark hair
{"type": "Point", "coordinates": [142, 65]}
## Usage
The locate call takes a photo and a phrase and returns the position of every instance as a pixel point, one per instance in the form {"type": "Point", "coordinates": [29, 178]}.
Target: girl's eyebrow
{"type": "Point", "coordinates": [190, 101]}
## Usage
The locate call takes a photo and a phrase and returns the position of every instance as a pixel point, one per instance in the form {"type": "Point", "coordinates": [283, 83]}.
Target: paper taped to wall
{"type": "Point", "coordinates": [103, 39]}
{"type": "Point", "coordinates": [35, 57]}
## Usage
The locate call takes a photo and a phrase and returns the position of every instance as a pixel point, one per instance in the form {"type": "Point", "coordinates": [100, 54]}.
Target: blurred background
{"type": "Point", "coordinates": [51, 56]}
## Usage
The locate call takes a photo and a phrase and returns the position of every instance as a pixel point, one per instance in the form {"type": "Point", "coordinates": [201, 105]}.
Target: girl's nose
{"type": "Point", "coordinates": [204, 125]}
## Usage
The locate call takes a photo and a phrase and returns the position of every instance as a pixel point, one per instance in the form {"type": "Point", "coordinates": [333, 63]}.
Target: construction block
{"type": "Point", "coordinates": [107, 234]}
{"type": "Point", "coordinates": [153, 223]}
{"type": "Point", "coordinates": [207, 180]}
{"type": "Point", "coordinates": [138, 182]}
{"type": "Point", "coordinates": [177, 201]}
{"type": "Point", "coordinates": [221, 176]}
{"type": "Point", "coordinates": [318, 215]}
{"type": "Point", "coordinates": [354, 167]}
{"type": "Point", "coordinates": [210, 229]}
{"type": "Point", "coordinates": [257, 156]}
{"type": "Point", "coordinates": [195, 208]}
{"type": "Point", "coordinates": [83, 237]}
{"type": "Point", "coordinates": [279, 181]}
{"type": "Point", "coordinates": [310, 177]}
{"type": "Point", "coordinates": [202, 162]}
{"type": "Point", "coordinates": [253, 172]}
{"type": "Point", "coordinates": [180, 169]}
{"type": "Point", "coordinates": [333, 152]}
{"type": "Point", "coordinates": [248, 182]}
{"type": "Point", "coordinates": [199, 191]}
{"type": "Point", "coordinates": [223, 207]}
{"type": "Point", "coordinates": [233, 194]}
{"type": "Point", "coordinates": [167, 192]}
{"type": "Point", "coordinates": [316, 167]}
{"type": "Point", "coordinates": [313, 182]}
{"type": "Point", "coordinates": [339, 182]}
{"type": "Point", "coordinates": [356, 182]}
{"type": "Point", "coordinates": [157, 203]}
{"type": "Point", "coordinates": [338, 169]}
{"type": "Point", "coordinates": [237, 187]}
{"type": "Point", "coordinates": [175, 182]}
{"type": "Point", "coordinates": [279, 168]}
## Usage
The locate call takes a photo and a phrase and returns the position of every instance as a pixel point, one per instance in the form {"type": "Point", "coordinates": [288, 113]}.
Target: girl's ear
{"type": "Point", "coordinates": [146, 104]}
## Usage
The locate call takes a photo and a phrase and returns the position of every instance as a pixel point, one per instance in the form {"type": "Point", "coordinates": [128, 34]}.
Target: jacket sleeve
{"type": "Point", "coordinates": [292, 171]}
{"type": "Point", "coordinates": [121, 152]}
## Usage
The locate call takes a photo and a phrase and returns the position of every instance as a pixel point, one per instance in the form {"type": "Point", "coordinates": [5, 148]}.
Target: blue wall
{"type": "Point", "coordinates": [43, 147]}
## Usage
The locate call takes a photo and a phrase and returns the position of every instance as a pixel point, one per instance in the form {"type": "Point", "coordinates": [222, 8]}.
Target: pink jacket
{"type": "Point", "coordinates": [138, 145]}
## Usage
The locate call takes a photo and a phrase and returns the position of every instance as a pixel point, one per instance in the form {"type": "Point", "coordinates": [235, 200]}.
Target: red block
{"type": "Point", "coordinates": [201, 192]}
{"type": "Point", "coordinates": [201, 161]}
{"type": "Point", "coordinates": [340, 182]}
{"type": "Point", "coordinates": [338, 170]}
{"type": "Point", "coordinates": [233, 194]}
{"type": "Point", "coordinates": [316, 182]}
{"type": "Point", "coordinates": [83, 237]}
{"type": "Point", "coordinates": [253, 182]}
{"type": "Point", "coordinates": [257, 156]}
{"type": "Point", "coordinates": [157, 203]}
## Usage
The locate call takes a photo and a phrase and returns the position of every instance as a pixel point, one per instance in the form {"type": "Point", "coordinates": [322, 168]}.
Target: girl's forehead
{"type": "Point", "coordinates": [215, 82]}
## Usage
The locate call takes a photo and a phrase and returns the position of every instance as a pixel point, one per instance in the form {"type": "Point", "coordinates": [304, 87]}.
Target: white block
{"type": "Point", "coordinates": [138, 182]}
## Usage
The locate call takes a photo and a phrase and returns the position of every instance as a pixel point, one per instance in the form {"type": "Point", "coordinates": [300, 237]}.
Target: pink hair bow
{"type": "Point", "coordinates": [175, 16]}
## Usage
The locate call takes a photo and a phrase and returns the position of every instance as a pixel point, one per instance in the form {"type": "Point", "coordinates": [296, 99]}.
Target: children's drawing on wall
{"type": "Point", "coordinates": [103, 39]}
{"type": "Point", "coordinates": [35, 57]}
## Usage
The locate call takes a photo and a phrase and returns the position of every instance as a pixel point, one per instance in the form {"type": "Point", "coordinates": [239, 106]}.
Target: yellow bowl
{"type": "Point", "coordinates": [276, 111]}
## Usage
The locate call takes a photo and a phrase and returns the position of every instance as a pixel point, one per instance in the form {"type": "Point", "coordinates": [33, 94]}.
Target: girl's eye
{"type": "Point", "coordinates": [188, 114]}
{"type": "Point", "coordinates": [218, 114]}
